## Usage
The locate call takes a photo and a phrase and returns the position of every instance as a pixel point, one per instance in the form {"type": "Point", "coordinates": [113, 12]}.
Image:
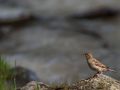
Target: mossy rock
{"type": "Point", "coordinates": [100, 82]}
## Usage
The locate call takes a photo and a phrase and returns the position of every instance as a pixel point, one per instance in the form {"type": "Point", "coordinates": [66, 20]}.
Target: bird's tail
{"type": "Point", "coordinates": [115, 71]}
{"type": "Point", "coordinates": [109, 69]}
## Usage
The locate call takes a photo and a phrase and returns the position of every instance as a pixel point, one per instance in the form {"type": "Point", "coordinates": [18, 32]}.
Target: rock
{"type": "Point", "coordinates": [33, 85]}
{"type": "Point", "coordinates": [23, 75]}
{"type": "Point", "coordinates": [100, 82]}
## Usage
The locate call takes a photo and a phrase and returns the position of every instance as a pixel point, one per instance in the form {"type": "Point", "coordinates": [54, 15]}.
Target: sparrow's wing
{"type": "Point", "coordinates": [98, 63]}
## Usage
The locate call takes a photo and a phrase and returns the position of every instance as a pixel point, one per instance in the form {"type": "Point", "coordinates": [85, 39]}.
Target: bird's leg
{"type": "Point", "coordinates": [97, 74]}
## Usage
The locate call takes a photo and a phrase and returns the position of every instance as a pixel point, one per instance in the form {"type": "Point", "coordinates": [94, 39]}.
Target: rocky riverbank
{"type": "Point", "coordinates": [49, 37]}
{"type": "Point", "coordinates": [101, 82]}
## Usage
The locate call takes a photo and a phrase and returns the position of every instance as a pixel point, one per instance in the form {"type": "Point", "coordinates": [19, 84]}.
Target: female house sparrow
{"type": "Point", "coordinates": [95, 64]}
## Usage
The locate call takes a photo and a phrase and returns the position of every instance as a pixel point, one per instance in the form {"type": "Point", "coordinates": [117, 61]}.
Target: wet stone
{"type": "Point", "coordinates": [23, 75]}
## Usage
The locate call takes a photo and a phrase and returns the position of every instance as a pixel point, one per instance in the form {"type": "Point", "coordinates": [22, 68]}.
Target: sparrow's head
{"type": "Point", "coordinates": [88, 55]}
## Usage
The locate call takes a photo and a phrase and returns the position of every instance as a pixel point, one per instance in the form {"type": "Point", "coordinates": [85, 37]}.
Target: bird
{"type": "Point", "coordinates": [95, 64]}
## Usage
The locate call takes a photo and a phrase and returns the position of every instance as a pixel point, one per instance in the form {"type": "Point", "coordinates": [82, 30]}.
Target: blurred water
{"type": "Point", "coordinates": [60, 7]}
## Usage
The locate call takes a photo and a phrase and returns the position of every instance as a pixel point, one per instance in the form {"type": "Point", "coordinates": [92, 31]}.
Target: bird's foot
{"type": "Point", "coordinates": [97, 74]}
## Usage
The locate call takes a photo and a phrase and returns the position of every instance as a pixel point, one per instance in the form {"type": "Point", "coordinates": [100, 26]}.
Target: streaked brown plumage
{"type": "Point", "coordinates": [95, 64]}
